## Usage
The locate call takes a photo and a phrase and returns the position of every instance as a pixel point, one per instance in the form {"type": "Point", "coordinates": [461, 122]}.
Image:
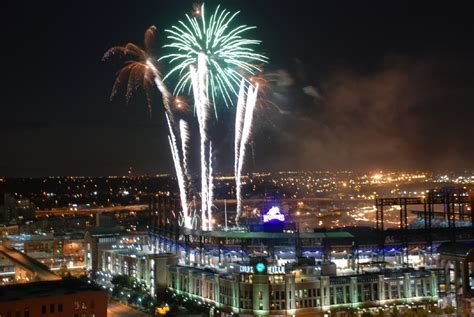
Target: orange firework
{"type": "Point", "coordinates": [264, 86]}
{"type": "Point", "coordinates": [197, 10]}
{"type": "Point", "coordinates": [137, 71]}
{"type": "Point", "coordinates": [180, 104]}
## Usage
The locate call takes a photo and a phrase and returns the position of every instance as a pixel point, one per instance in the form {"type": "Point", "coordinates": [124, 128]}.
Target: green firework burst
{"type": "Point", "coordinates": [230, 56]}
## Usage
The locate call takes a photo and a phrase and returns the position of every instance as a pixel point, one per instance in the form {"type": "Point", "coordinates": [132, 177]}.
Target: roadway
{"type": "Point", "coordinates": [116, 309]}
{"type": "Point", "coordinates": [290, 200]}
{"type": "Point", "coordinates": [144, 207]}
{"type": "Point", "coordinates": [88, 211]}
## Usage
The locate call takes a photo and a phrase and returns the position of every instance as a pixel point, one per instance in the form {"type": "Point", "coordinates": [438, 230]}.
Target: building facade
{"type": "Point", "coordinates": [261, 290]}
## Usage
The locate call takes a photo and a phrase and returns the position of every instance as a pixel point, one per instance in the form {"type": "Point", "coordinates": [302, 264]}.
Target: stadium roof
{"type": "Point", "coordinates": [271, 235]}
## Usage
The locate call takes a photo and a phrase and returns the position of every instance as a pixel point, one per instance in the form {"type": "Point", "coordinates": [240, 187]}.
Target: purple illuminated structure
{"type": "Point", "coordinates": [273, 215]}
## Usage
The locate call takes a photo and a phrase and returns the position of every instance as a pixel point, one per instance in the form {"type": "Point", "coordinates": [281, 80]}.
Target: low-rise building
{"type": "Point", "coordinates": [141, 264]}
{"type": "Point", "coordinates": [95, 241]}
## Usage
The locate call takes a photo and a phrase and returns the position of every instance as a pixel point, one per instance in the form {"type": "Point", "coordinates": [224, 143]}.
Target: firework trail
{"type": "Point", "coordinates": [239, 117]}
{"type": "Point", "coordinates": [246, 129]}
{"type": "Point", "coordinates": [202, 109]}
{"type": "Point", "coordinates": [179, 175]}
{"type": "Point", "coordinates": [184, 134]}
{"type": "Point", "coordinates": [210, 195]}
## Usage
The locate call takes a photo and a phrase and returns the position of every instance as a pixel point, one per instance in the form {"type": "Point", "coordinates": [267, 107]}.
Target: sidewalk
{"type": "Point", "coordinates": [120, 310]}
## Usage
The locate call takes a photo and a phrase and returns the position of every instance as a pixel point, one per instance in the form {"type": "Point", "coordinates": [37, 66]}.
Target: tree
{"type": "Point", "coordinates": [449, 310]}
{"type": "Point", "coordinates": [395, 312]}
{"type": "Point", "coordinates": [122, 281]}
{"type": "Point", "coordinates": [437, 311]}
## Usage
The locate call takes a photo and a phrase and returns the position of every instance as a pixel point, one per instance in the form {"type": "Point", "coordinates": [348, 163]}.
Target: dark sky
{"type": "Point", "coordinates": [357, 84]}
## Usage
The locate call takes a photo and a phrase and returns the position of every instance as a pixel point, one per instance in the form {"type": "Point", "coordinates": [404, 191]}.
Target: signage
{"type": "Point", "coordinates": [276, 270]}
{"type": "Point", "coordinates": [246, 269]}
{"type": "Point", "coordinates": [273, 214]}
{"type": "Point", "coordinates": [260, 267]}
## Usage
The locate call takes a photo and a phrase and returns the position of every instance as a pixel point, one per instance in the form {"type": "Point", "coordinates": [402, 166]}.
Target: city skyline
{"type": "Point", "coordinates": [362, 87]}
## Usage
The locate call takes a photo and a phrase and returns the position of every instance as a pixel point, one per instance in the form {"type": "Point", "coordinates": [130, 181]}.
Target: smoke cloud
{"type": "Point", "coordinates": [407, 113]}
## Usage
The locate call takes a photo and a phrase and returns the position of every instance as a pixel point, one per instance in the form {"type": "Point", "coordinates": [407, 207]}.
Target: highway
{"type": "Point", "coordinates": [88, 211]}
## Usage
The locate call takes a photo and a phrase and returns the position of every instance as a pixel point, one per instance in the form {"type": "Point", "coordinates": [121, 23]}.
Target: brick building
{"type": "Point", "coordinates": [66, 297]}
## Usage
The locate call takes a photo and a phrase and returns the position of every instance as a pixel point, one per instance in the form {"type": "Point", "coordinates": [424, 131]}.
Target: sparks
{"type": "Point", "coordinates": [243, 128]}
{"type": "Point", "coordinates": [179, 175]}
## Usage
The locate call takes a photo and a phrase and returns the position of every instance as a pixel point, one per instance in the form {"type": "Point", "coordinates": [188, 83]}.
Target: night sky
{"type": "Point", "coordinates": [357, 85]}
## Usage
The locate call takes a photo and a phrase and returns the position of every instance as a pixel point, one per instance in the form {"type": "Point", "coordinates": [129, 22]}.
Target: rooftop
{"type": "Point", "coordinates": [64, 286]}
{"type": "Point", "coordinates": [455, 249]}
{"type": "Point", "coordinates": [41, 271]}
{"type": "Point", "coordinates": [102, 231]}
{"type": "Point", "coordinates": [272, 235]}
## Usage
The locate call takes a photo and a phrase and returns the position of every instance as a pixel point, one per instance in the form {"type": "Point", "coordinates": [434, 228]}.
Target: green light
{"type": "Point", "coordinates": [260, 267]}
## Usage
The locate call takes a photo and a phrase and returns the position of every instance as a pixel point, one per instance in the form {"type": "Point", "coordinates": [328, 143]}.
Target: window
{"type": "Point", "coordinates": [367, 295]}
{"type": "Point", "coordinates": [51, 308]}
{"type": "Point", "coordinates": [43, 309]}
{"type": "Point", "coordinates": [26, 312]}
{"type": "Point", "coordinates": [17, 313]}
{"type": "Point", "coordinates": [340, 295]}
{"type": "Point", "coordinates": [60, 307]}
{"type": "Point", "coordinates": [402, 289]}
